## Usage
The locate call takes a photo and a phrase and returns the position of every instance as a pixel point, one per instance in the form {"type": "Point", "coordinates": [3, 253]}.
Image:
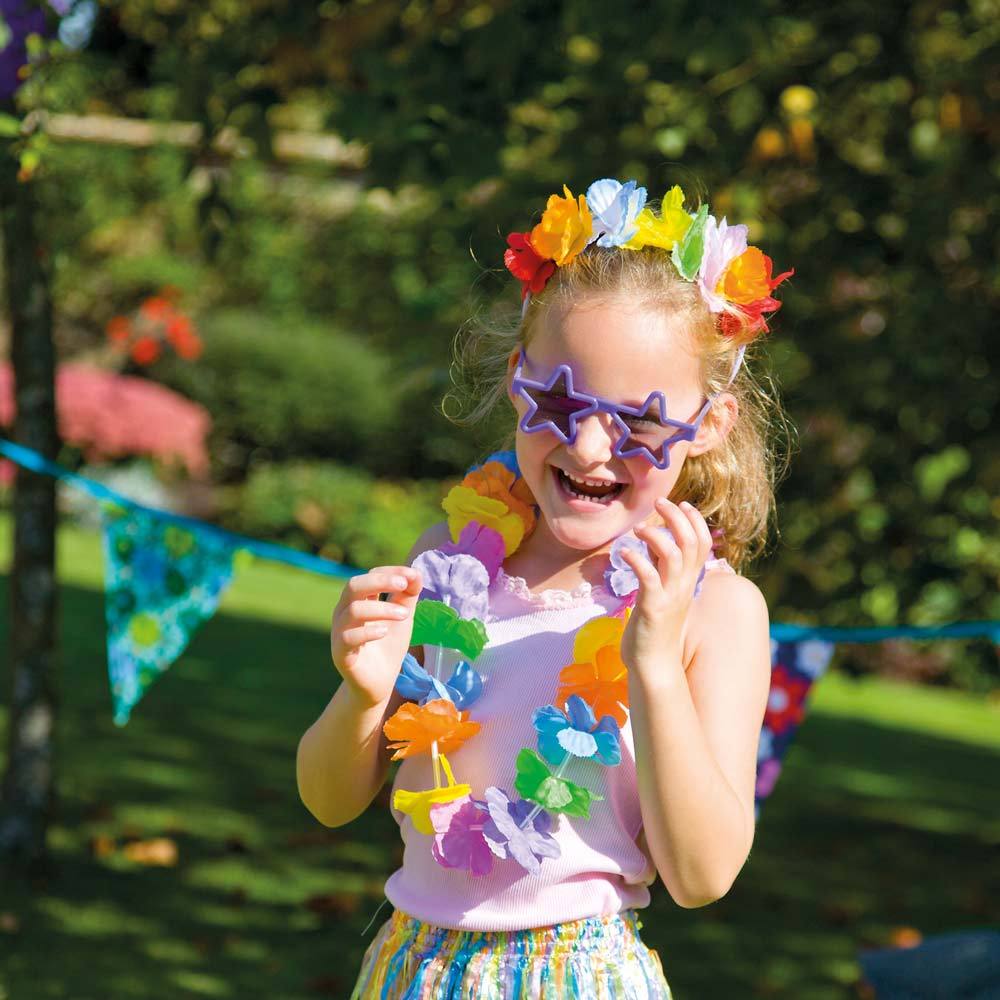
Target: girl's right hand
{"type": "Point", "coordinates": [369, 637]}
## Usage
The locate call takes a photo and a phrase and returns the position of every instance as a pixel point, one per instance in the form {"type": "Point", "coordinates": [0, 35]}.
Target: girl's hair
{"type": "Point", "coordinates": [732, 485]}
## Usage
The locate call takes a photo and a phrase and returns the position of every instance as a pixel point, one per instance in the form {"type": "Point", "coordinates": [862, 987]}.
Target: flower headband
{"type": "Point", "coordinates": [734, 279]}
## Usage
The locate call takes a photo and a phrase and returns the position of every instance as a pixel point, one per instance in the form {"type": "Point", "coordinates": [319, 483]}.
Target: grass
{"type": "Point", "coordinates": [884, 817]}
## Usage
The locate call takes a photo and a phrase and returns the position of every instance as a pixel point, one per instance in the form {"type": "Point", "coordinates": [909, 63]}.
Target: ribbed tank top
{"type": "Point", "coordinates": [601, 869]}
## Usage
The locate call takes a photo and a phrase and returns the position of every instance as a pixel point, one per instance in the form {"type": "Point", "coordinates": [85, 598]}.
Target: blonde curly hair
{"type": "Point", "coordinates": [733, 484]}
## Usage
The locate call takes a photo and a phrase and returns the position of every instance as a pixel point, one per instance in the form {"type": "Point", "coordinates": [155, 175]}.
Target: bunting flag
{"type": "Point", "coordinates": [795, 667]}
{"type": "Point", "coordinates": [161, 582]}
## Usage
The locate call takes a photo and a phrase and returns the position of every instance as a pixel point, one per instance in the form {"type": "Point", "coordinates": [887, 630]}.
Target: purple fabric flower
{"type": "Point", "coordinates": [615, 207]}
{"type": "Point", "coordinates": [460, 581]}
{"type": "Point", "coordinates": [463, 687]}
{"type": "Point", "coordinates": [482, 543]}
{"type": "Point", "coordinates": [621, 579]}
{"type": "Point", "coordinates": [576, 731]}
{"type": "Point", "coordinates": [509, 835]}
{"type": "Point", "coordinates": [723, 244]}
{"type": "Point", "coordinates": [459, 841]}
{"type": "Point", "coordinates": [22, 18]}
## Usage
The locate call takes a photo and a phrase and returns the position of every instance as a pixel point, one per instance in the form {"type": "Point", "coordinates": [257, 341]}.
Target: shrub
{"type": "Point", "coordinates": [338, 512]}
{"type": "Point", "coordinates": [283, 390]}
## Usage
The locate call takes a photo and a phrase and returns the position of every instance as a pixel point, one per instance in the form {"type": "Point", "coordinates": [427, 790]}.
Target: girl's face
{"type": "Point", "coordinates": [622, 353]}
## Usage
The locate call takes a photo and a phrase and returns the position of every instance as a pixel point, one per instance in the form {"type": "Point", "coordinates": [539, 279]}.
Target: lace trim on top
{"type": "Point", "coordinates": [555, 598]}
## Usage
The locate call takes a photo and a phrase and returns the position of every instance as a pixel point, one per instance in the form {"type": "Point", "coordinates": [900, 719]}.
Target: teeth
{"type": "Point", "coordinates": [590, 482]}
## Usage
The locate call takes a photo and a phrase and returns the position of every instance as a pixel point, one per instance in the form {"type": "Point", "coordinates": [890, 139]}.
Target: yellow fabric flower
{"type": "Point", "coordinates": [666, 230]}
{"type": "Point", "coordinates": [565, 228]}
{"type": "Point", "coordinates": [495, 480]}
{"type": "Point", "coordinates": [417, 805]}
{"type": "Point", "coordinates": [598, 632]}
{"type": "Point", "coordinates": [463, 504]}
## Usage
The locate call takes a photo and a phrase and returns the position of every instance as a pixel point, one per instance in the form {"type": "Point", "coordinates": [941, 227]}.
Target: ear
{"type": "Point", "coordinates": [511, 368]}
{"type": "Point", "coordinates": [718, 422]}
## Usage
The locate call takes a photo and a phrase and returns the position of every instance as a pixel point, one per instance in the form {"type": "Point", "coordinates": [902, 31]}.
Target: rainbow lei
{"type": "Point", "coordinates": [489, 514]}
{"type": "Point", "coordinates": [734, 279]}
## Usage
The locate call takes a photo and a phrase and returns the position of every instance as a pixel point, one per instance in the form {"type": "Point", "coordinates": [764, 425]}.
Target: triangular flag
{"type": "Point", "coordinates": [161, 582]}
{"type": "Point", "coordinates": [795, 667]}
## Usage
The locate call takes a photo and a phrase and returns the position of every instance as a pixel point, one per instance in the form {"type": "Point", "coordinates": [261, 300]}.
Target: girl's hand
{"type": "Point", "coordinates": [656, 627]}
{"type": "Point", "coordinates": [369, 637]}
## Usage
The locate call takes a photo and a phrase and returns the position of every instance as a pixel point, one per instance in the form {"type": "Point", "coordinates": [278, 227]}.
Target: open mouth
{"type": "Point", "coordinates": [601, 491]}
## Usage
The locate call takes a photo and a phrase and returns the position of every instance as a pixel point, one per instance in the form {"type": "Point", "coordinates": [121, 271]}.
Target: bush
{"type": "Point", "coordinates": [283, 390]}
{"type": "Point", "coordinates": [338, 512]}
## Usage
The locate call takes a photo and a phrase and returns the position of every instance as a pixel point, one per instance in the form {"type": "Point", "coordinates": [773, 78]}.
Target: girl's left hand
{"type": "Point", "coordinates": [656, 627]}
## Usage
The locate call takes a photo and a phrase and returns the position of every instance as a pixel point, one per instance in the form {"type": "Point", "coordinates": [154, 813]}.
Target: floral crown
{"type": "Point", "coordinates": [734, 279]}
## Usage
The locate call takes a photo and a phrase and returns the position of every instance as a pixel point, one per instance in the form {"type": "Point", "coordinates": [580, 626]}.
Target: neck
{"type": "Point", "coordinates": [545, 562]}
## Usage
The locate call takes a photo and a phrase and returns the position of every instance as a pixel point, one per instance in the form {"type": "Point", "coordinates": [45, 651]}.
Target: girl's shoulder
{"type": "Point", "coordinates": [728, 605]}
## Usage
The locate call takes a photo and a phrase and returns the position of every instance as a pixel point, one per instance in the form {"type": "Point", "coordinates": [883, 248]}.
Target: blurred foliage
{"type": "Point", "coordinates": [858, 141]}
{"type": "Point", "coordinates": [339, 512]}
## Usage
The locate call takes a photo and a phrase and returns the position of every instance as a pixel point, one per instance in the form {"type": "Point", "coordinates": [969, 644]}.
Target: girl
{"type": "Point", "coordinates": [581, 705]}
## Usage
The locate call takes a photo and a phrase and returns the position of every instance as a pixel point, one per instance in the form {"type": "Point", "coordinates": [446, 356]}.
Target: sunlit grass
{"type": "Point", "coordinates": [885, 815]}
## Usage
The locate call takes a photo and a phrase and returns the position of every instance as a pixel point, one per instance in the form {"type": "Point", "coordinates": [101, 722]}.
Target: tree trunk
{"type": "Point", "coordinates": [27, 796]}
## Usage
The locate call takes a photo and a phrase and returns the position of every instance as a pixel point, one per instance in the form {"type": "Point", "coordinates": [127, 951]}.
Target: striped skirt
{"type": "Point", "coordinates": [597, 958]}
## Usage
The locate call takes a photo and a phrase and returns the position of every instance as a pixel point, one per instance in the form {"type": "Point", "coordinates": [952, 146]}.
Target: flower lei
{"type": "Point", "coordinates": [489, 514]}
{"type": "Point", "coordinates": [734, 279]}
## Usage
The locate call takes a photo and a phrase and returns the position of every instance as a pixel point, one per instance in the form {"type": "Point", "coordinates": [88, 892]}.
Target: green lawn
{"type": "Point", "coordinates": [885, 816]}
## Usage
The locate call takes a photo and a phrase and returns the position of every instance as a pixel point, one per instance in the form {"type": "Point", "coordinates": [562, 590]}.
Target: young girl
{"type": "Point", "coordinates": [580, 708]}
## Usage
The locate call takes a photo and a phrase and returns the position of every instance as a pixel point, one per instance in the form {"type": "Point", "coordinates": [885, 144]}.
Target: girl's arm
{"type": "Point", "coordinates": [697, 703]}
{"type": "Point", "coordinates": [342, 758]}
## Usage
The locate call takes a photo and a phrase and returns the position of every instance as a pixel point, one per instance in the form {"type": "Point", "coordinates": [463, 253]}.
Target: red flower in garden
{"type": "Point", "coordinates": [785, 703]}
{"type": "Point", "coordinates": [526, 265]}
{"type": "Point", "coordinates": [157, 324]}
{"type": "Point", "coordinates": [145, 350]}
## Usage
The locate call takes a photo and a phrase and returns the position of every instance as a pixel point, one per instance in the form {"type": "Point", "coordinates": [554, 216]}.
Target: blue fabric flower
{"type": "Point", "coordinates": [615, 207]}
{"type": "Point", "coordinates": [507, 458]}
{"type": "Point", "coordinates": [462, 688]}
{"type": "Point", "coordinates": [576, 731]}
{"type": "Point", "coordinates": [508, 835]}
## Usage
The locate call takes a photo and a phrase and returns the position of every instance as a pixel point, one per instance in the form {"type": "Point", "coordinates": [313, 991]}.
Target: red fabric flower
{"type": "Point", "coordinates": [526, 265]}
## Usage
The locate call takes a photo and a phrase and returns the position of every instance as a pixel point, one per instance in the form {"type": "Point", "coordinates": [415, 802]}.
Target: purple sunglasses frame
{"type": "Point", "coordinates": [597, 404]}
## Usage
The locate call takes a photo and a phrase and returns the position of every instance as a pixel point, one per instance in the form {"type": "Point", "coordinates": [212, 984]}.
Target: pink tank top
{"type": "Point", "coordinates": [601, 869]}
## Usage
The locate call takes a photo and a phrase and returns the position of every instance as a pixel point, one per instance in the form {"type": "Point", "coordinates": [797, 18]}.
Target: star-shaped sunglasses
{"type": "Point", "coordinates": [555, 405]}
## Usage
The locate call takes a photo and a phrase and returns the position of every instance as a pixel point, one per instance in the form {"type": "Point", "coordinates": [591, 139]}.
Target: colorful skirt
{"type": "Point", "coordinates": [597, 958]}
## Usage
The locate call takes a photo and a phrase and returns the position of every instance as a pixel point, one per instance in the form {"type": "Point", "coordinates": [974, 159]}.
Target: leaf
{"type": "Point", "coordinates": [10, 127]}
{"type": "Point", "coordinates": [687, 253]}
{"type": "Point", "coordinates": [435, 624]}
{"type": "Point", "coordinates": [534, 781]}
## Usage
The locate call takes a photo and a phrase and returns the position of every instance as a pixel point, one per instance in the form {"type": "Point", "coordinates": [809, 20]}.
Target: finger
{"type": "Point", "coordinates": [644, 570]}
{"type": "Point", "coordinates": [701, 529]}
{"type": "Point", "coordinates": [374, 611]}
{"type": "Point", "coordinates": [383, 579]}
{"type": "Point", "coordinates": [681, 529]}
{"type": "Point", "coordinates": [358, 636]}
{"type": "Point", "coordinates": [669, 559]}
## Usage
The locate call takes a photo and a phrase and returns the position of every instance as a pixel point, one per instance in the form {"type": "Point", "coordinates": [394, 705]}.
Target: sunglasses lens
{"type": "Point", "coordinates": [557, 409]}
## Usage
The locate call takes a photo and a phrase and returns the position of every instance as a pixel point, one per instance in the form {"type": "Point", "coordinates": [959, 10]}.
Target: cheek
{"type": "Point", "coordinates": [648, 484]}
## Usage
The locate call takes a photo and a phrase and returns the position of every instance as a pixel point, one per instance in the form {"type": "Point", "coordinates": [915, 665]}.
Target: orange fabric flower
{"type": "Point", "coordinates": [565, 229]}
{"type": "Point", "coordinates": [748, 277]}
{"type": "Point", "coordinates": [601, 682]}
{"type": "Point", "coordinates": [495, 480]}
{"type": "Point", "coordinates": [415, 728]}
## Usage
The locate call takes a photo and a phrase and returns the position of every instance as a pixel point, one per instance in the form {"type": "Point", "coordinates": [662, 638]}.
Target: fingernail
{"type": "Point", "coordinates": [399, 612]}
{"type": "Point", "coordinates": [399, 582]}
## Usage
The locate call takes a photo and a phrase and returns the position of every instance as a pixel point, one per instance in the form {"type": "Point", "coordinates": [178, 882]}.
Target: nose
{"type": "Point", "coordinates": [595, 438]}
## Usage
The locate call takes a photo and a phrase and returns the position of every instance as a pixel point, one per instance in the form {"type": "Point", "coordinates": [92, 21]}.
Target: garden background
{"type": "Point", "coordinates": [294, 268]}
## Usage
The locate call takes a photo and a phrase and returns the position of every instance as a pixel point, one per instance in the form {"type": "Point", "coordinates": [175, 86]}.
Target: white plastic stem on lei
{"type": "Point", "coordinates": [437, 676]}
